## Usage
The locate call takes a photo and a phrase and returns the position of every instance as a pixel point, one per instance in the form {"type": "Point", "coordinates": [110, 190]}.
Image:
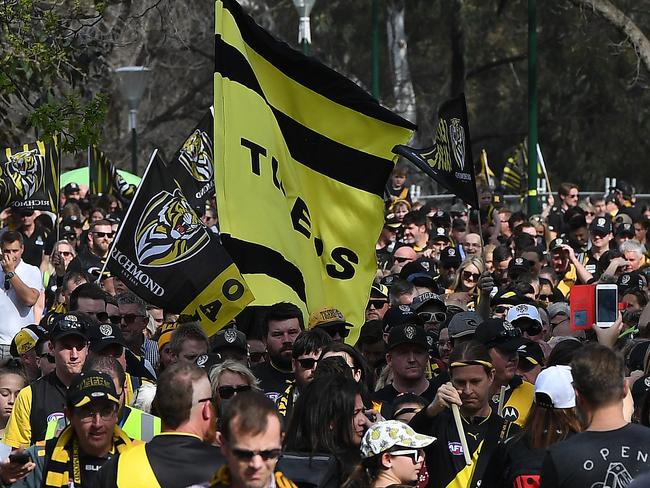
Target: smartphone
{"type": "Point", "coordinates": [19, 458]}
{"type": "Point", "coordinates": [606, 305]}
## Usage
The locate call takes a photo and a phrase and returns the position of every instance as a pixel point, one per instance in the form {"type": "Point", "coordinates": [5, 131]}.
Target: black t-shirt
{"type": "Point", "coordinates": [273, 382]}
{"type": "Point", "coordinates": [87, 262]}
{"type": "Point", "coordinates": [90, 466]}
{"type": "Point", "coordinates": [386, 396]}
{"type": "Point", "coordinates": [598, 459]}
{"type": "Point", "coordinates": [36, 245]}
{"type": "Point", "coordinates": [556, 220]}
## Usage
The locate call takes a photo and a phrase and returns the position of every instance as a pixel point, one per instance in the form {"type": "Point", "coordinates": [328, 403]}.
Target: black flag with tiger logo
{"type": "Point", "coordinates": [29, 176]}
{"type": "Point", "coordinates": [449, 161]}
{"type": "Point", "coordinates": [168, 257]}
{"type": "Point", "coordinates": [103, 178]}
{"type": "Point", "coordinates": [192, 165]}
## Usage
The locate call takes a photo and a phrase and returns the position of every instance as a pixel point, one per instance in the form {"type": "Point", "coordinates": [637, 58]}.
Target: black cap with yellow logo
{"type": "Point", "coordinates": [89, 386]}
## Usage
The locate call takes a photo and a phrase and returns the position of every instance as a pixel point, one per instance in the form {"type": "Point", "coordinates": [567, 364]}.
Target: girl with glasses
{"type": "Point", "coordinates": [230, 378]}
{"type": "Point", "coordinates": [468, 275]}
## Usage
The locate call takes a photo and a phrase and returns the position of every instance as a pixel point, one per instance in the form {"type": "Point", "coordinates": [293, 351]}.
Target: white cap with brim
{"type": "Point", "coordinates": [554, 388]}
{"type": "Point", "coordinates": [385, 435]}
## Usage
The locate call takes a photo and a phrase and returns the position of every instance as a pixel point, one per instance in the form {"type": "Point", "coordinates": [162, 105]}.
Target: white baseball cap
{"type": "Point", "coordinates": [554, 388]}
{"type": "Point", "coordinates": [523, 311]}
{"type": "Point", "coordinates": [387, 434]}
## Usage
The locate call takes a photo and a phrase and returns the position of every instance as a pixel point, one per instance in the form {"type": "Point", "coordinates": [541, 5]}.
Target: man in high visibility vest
{"type": "Point", "coordinates": [183, 454]}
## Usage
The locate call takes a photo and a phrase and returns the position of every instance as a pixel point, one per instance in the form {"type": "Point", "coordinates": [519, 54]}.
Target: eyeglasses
{"type": "Point", "coordinates": [467, 276]}
{"type": "Point", "coordinates": [376, 304]}
{"type": "Point", "coordinates": [227, 392]}
{"type": "Point", "coordinates": [246, 455]}
{"type": "Point", "coordinates": [341, 331]}
{"type": "Point", "coordinates": [398, 259]}
{"type": "Point", "coordinates": [130, 318]}
{"type": "Point", "coordinates": [416, 455]}
{"type": "Point", "coordinates": [88, 413]}
{"type": "Point", "coordinates": [104, 234]}
{"type": "Point", "coordinates": [49, 357]}
{"type": "Point", "coordinates": [257, 357]}
{"type": "Point", "coordinates": [307, 363]}
{"type": "Point", "coordinates": [555, 324]}
{"type": "Point", "coordinates": [433, 316]}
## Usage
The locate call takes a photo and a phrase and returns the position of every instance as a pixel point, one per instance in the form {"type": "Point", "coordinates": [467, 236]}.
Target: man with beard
{"type": "Point", "coordinates": [511, 397]}
{"type": "Point", "coordinates": [281, 326]}
{"type": "Point", "coordinates": [183, 454]}
{"type": "Point", "coordinates": [449, 264]}
{"type": "Point", "coordinates": [378, 303]}
{"type": "Point", "coordinates": [92, 259]}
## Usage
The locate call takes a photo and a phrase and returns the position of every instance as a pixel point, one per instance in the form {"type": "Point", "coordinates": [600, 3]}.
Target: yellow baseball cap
{"type": "Point", "coordinates": [325, 317]}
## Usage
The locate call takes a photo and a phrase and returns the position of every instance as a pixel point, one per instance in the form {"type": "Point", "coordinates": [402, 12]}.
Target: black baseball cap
{"type": "Point", "coordinates": [557, 244]}
{"type": "Point", "coordinates": [500, 334]}
{"type": "Point", "coordinates": [601, 225]}
{"type": "Point", "coordinates": [70, 188]}
{"type": "Point", "coordinates": [439, 234]}
{"type": "Point", "coordinates": [208, 361]}
{"type": "Point", "coordinates": [72, 221]}
{"type": "Point", "coordinates": [230, 337]}
{"type": "Point", "coordinates": [628, 281]}
{"type": "Point", "coordinates": [419, 272]}
{"type": "Point", "coordinates": [104, 335]}
{"type": "Point", "coordinates": [68, 324]}
{"type": "Point", "coordinates": [530, 355]}
{"type": "Point", "coordinates": [91, 385]}
{"type": "Point", "coordinates": [427, 297]}
{"type": "Point", "coordinates": [450, 258]}
{"type": "Point", "coordinates": [520, 264]}
{"type": "Point", "coordinates": [400, 315]}
{"type": "Point", "coordinates": [441, 218]}
{"type": "Point", "coordinates": [407, 334]}
{"type": "Point", "coordinates": [624, 230]}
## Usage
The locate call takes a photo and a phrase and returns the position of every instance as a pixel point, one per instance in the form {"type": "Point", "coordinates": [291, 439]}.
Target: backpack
{"type": "Point", "coordinates": [310, 470]}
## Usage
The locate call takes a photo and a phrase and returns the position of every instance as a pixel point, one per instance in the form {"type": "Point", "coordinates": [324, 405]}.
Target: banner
{"type": "Point", "coordinates": [103, 177]}
{"type": "Point", "coordinates": [515, 172]}
{"type": "Point", "coordinates": [302, 155]}
{"type": "Point", "coordinates": [29, 176]}
{"type": "Point", "coordinates": [193, 164]}
{"type": "Point", "coordinates": [449, 161]}
{"type": "Point", "coordinates": [166, 256]}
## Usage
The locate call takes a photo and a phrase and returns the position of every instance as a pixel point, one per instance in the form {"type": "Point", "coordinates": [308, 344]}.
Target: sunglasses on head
{"type": "Point", "coordinates": [433, 316]}
{"type": "Point", "coordinates": [467, 276]}
{"type": "Point", "coordinates": [103, 234]}
{"type": "Point", "coordinates": [227, 392]}
{"type": "Point", "coordinates": [376, 304]}
{"type": "Point", "coordinates": [247, 455]}
{"type": "Point", "coordinates": [307, 363]}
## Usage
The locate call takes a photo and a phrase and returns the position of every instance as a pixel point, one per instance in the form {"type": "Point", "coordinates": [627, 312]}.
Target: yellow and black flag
{"type": "Point", "coordinates": [165, 255]}
{"type": "Point", "coordinates": [449, 161]}
{"type": "Point", "coordinates": [515, 172]}
{"type": "Point", "coordinates": [103, 178]}
{"type": "Point", "coordinates": [485, 175]}
{"type": "Point", "coordinates": [193, 163]}
{"type": "Point", "coordinates": [29, 176]}
{"type": "Point", "coordinates": [302, 155]}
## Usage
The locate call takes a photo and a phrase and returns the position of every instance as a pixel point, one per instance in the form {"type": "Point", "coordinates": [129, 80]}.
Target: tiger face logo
{"type": "Point", "coordinates": [196, 156]}
{"type": "Point", "coordinates": [169, 231]}
{"type": "Point", "coordinates": [25, 170]}
{"type": "Point", "coordinates": [457, 136]}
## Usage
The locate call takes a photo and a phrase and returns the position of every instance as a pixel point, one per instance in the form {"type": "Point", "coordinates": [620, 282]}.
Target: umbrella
{"type": "Point", "coordinates": [80, 177]}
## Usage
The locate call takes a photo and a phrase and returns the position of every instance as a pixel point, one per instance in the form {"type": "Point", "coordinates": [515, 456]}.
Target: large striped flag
{"type": "Point", "coordinates": [29, 176]}
{"type": "Point", "coordinates": [165, 254]}
{"type": "Point", "coordinates": [515, 171]}
{"type": "Point", "coordinates": [103, 177]}
{"type": "Point", "coordinates": [302, 155]}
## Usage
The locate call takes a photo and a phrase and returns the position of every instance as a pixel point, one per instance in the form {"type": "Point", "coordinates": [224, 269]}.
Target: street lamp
{"type": "Point", "coordinates": [132, 83]}
{"type": "Point", "coordinates": [304, 32]}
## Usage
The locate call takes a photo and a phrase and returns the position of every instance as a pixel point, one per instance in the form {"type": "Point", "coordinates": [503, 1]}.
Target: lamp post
{"type": "Point", "coordinates": [533, 202]}
{"type": "Point", "coordinates": [304, 31]}
{"type": "Point", "coordinates": [132, 82]}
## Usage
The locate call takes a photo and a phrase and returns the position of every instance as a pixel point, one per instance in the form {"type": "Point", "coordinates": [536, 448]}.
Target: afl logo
{"type": "Point", "coordinates": [455, 448]}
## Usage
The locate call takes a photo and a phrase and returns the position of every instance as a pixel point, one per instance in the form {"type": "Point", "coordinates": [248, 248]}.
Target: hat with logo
{"type": "Point", "coordinates": [91, 385]}
{"type": "Point", "coordinates": [520, 264]}
{"type": "Point", "coordinates": [165, 333]}
{"type": "Point", "coordinates": [26, 338]}
{"type": "Point", "coordinates": [450, 258]}
{"type": "Point", "coordinates": [624, 187]}
{"type": "Point", "coordinates": [601, 225]}
{"type": "Point", "coordinates": [208, 361]}
{"type": "Point", "coordinates": [557, 244]}
{"type": "Point", "coordinates": [441, 218]}
{"type": "Point", "coordinates": [70, 188]}
{"type": "Point", "coordinates": [500, 334]}
{"type": "Point", "coordinates": [558, 308]}
{"type": "Point", "coordinates": [530, 355]}
{"type": "Point", "coordinates": [624, 230]}
{"type": "Point", "coordinates": [104, 335]}
{"type": "Point", "coordinates": [425, 298]}
{"type": "Point", "coordinates": [439, 234]}
{"type": "Point", "coordinates": [392, 222]}
{"type": "Point", "coordinates": [523, 311]}
{"type": "Point", "coordinates": [407, 334]}
{"type": "Point", "coordinates": [420, 272]}
{"type": "Point", "coordinates": [387, 434]}
{"type": "Point", "coordinates": [554, 388]}
{"type": "Point", "coordinates": [628, 281]}
{"type": "Point", "coordinates": [379, 291]}
{"type": "Point", "coordinates": [400, 315]}
{"type": "Point", "coordinates": [622, 218]}
{"type": "Point", "coordinates": [639, 389]}
{"type": "Point", "coordinates": [232, 338]}
{"type": "Point", "coordinates": [72, 221]}
{"type": "Point", "coordinates": [463, 324]}
{"type": "Point", "coordinates": [506, 297]}
{"type": "Point", "coordinates": [326, 317]}
{"type": "Point", "coordinates": [68, 324]}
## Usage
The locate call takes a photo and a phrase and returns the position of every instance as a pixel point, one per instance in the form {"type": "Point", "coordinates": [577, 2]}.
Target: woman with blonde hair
{"type": "Point", "coordinates": [399, 208]}
{"type": "Point", "coordinates": [468, 275]}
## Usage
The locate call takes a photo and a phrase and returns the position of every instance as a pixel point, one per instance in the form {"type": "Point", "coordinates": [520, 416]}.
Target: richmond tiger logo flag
{"type": "Point", "coordinates": [193, 163]}
{"type": "Point", "coordinates": [103, 178]}
{"type": "Point", "coordinates": [302, 155]}
{"type": "Point", "coordinates": [29, 176]}
{"type": "Point", "coordinates": [165, 255]}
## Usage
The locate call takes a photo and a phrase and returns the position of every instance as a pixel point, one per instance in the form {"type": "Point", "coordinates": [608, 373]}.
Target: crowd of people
{"type": "Point", "coordinates": [469, 370]}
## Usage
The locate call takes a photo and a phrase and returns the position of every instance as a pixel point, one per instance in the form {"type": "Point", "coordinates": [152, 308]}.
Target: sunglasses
{"type": "Point", "coordinates": [307, 363]}
{"type": "Point", "coordinates": [227, 392]}
{"type": "Point", "coordinates": [401, 260]}
{"type": "Point", "coordinates": [114, 319]}
{"type": "Point", "coordinates": [502, 308]}
{"type": "Point", "coordinates": [416, 455]}
{"type": "Point", "coordinates": [104, 234]}
{"type": "Point", "coordinates": [545, 298]}
{"type": "Point", "coordinates": [433, 316]}
{"type": "Point", "coordinates": [467, 276]}
{"type": "Point", "coordinates": [246, 455]}
{"type": "Point", "coordinates": [130, 318]}
{"type": "Point", "coordinates": [49, 357]}
{"type": "Point", "coordinates": [376, 304]}
{"type": "Point", "coordinates": [65, 254]}
{"type": "Point", "coordinates": [257, 357]}
{"type": "Point", "coordinates": [332, 331]}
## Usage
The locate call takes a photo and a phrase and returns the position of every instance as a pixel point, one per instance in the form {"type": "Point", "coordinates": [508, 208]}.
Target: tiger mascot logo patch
{"type": "Point", "coordinates": [457, 136]}
{"type": "Point", "coordinates": [168, 231]}
{"type": "Point", "coordinates": [196, 156]}
{"type": "Point", "coordinates": [23, 173]}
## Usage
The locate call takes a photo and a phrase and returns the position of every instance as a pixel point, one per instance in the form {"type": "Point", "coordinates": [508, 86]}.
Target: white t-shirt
{"type": "Point", "coordinates": [14, 314]}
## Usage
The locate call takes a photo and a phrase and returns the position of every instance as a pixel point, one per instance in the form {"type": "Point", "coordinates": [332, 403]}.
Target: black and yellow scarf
{"type": "Point", "coordinates": [66, 454]}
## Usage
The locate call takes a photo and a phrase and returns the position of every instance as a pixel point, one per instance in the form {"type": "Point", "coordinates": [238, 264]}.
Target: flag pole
{"type": "Point", "coordinates": [128, 211]}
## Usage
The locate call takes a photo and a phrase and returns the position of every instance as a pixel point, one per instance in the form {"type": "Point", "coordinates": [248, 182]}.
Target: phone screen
{"type": "Point", "coordinates": [607, 303]}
